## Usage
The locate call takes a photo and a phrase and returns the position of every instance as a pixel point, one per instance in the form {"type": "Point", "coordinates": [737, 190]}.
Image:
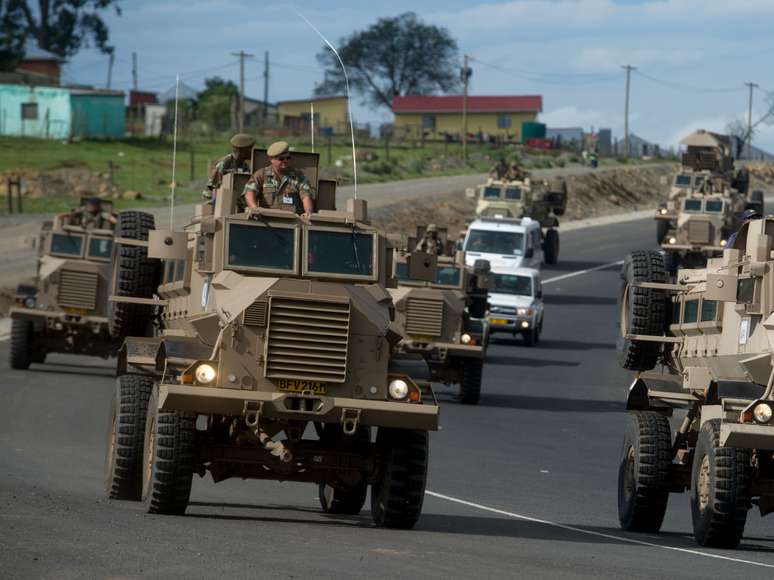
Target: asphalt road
{"type": "Point", "coordinates": [521, 486]}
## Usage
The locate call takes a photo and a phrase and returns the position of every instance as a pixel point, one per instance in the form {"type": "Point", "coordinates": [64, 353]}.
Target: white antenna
{"type": "Point", "coordinates": [311, 105]}
{"type": "Point", "coordinates": [173, 185]}
{"type": "Point", "coordinates": [346, 82]}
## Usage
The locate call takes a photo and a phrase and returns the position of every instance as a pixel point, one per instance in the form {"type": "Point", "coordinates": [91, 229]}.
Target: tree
{"type": "Point", "coordinates": [11, 35]}
{"type": "Point", "coordinates": [216, 103]}
{"type": "Point", "coordinates": [744, 134]}
{"type": "Point", "coordinates": [64, 26]}
{"type": "Point", "coordinates": [395, 56]}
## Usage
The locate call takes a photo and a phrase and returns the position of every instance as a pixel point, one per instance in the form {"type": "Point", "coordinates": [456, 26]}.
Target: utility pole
{"type": "Point", "coordinates": [466, 72]}
{"type": "Point", "coordinates": [111, 58]}
{"type": "Point", "coordinates": [628, 69]}
{"type": "Point", "coordinates": [134, 70]}
{"type": "Point", "coordinates": [748, 139]}
{"type": "Point", "coordinates": [265, 87]}
{"type": "Point", "coordinates": [242, 56]}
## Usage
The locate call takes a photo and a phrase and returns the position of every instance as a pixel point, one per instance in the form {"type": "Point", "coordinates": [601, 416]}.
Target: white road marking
{"type": "Point", "coordinates": [582, 272]}
{"type": "Point", "coordinates": [592, 533]}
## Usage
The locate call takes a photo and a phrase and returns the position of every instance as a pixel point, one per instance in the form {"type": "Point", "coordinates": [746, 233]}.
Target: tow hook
{"type": "Point", "coordinates": [350, 419]}
{"type": "Point", "coordinates": [252, 412]}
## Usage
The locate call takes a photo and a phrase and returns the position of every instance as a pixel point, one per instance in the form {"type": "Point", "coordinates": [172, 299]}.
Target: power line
{"type": "Point", "coordinates": [688, 88]}
{"type": "Point", "coordinates": [546, 78]}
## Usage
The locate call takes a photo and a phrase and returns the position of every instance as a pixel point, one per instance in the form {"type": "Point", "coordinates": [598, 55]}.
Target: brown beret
{"type": "Point", "coordinates": [277, 149]}
{"type": "Point", "coordinates": [242, 140]}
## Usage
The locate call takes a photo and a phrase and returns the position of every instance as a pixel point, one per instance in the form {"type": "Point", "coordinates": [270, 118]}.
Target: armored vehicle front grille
{"type": "Point", "coordinates": [424, 316]}
{"type": "Point", "coordinates": [255, 314]}
{"type": "Point", "coordinates": [78, 289]}
{"type": "Point", "coordinates": [307, 339]}
{"type": "Point", "coordinates": [699, 232]}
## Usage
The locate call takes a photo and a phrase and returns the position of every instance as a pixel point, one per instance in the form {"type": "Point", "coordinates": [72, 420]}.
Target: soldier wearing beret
{"type": "Point", "coordinates": [278, 186]}
{"type": "Point", "coordinates": [237, 160]}
{"type": "Point", "coordinates": [91, 215]}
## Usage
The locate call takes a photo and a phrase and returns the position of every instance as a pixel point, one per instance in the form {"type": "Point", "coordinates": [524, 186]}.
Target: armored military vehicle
{"type": "Point", "coordinates": [67, 309]}
{"type": "Point", "coordinates": [705, 202]}
{"type": "Point", "coordinates": [442, 318]}
{"type": "Point", "coordinates": [544, 201]}
{"type": "Point", "coordinates": [702, 350]}
{"type": "Point", "coordinates": [270, 325]}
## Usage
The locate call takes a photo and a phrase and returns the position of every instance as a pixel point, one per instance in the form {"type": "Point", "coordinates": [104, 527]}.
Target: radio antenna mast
{"type": "Point", "coordinates": [173, 185]}
{"type": "Point", "coordinates": [311, 105]}
{"type": "Point", "coordinates": [346, 83]}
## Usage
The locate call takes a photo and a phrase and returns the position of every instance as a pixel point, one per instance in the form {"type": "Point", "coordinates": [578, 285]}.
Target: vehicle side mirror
{"type": "Point", "coordinates": [721, 287]}
{"type": "Point", "coordinates": [167, 245]}
{"type": "Point", "coordinates": [529, 253]}
{"type": "Point", "coordinates": [540, 294]}
{"type": "Point", "coordinates": [470, 192]}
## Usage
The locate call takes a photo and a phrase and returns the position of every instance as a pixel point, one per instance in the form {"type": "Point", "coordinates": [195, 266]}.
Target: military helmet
{"type": "Point", "coordinates": [242, 140]}
{"type": "Point", "coordinates": [277, 149]}
{"type": "Point", "coordinates": [431, 228]}
{"type": "Point", "coordinates": [751, 214]}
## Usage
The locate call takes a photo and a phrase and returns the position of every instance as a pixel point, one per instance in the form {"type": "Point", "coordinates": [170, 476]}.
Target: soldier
{"type": "Point", "coordinates": [278, 186]}
{"type": "Point", "coordinates": [514, 172]}
{"type": "Point", "coordinates": [499, 169]}
{"type": "Point", "coordinates": [92, 216]}
{"type": "Point", "coordinates": [430, 244]}
{"type": "Point", "coordinates": [237, 160]}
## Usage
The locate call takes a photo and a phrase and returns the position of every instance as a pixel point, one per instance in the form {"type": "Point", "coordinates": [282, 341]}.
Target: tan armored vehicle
{"type": "Point", "coordinates": [541, 200]}
{"type": "Point", "coordinates": [708, 339]}
{"type": "Point", "coordinates": [66, 310]}
{"type": "Point", "coordinates": [705, 203]}
{"type": "Point", "coordinates": [270, 326]}
{"type": "Point", "coordinates": [442, 317]}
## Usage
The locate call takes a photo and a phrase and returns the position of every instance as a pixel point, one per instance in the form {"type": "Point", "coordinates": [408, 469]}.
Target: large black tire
{"type": "Point", "coordinates": [643, 474]}
{"type": "Point", "coordinates": [136, 276]}
{"type": "Point", "coordinates": [396, 498]}
{"type": "Point", "coordinates": [551, 247]}
{"type": "Point", "coordinates": [720, 490]}
{"type": "Point", "coordinates": [662, 229]}
{"type": "Point", "coordinates": [336, 499]}
{"type": "Point", "coordinates": [168, 459]}
{"type": "Point", "coordinates": [641, 310]}
{"type": "Point", "coordinates": [21, 353]}
{"type": "Point", "coordinates": [470, 385]}
{"type": "Point", "coordinates": [126, 435]}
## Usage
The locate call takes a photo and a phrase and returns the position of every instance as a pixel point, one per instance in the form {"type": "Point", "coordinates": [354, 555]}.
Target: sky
{"type": "Point", "coordinates": [693, 57]}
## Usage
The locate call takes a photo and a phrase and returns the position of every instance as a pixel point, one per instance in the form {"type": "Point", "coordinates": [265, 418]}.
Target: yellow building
{"type": "Point", "coordinates": [330, 115]}
{"type": "Point", "coordinates": [440, 117]}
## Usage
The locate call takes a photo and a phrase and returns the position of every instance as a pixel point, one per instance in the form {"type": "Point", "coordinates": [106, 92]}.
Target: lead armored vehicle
{"type": "Point", "coordinates": [272, 360]}
{"type": "Point", "coordinates": [702, 348]}
{"type": "Point", "coordinates": [442, 317]}
{"type": "Point", "coordinates": [543, 201]}
{"type": "Point", "coordinates": [67, 308]}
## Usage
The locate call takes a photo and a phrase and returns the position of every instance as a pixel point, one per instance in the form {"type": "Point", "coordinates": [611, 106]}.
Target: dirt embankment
{"type": "Point", "coordinates": [590, 195]}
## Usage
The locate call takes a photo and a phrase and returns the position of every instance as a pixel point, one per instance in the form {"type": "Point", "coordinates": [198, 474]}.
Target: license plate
{"type": "Point", "coordinates": [499, 321]}
{"type": "Point", "coordinates": [76, 311]}
{"type": "Point", "coordinates": [298, 386]}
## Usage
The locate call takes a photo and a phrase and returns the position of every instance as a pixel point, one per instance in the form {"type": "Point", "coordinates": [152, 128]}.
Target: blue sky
{"type": "Point", "coordinates": [693, 56]}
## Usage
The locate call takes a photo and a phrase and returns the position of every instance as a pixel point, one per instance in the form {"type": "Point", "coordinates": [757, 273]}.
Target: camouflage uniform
{"type": "Point", "coordinates": [430, 245]}
{"type": "Point", "coordinates": [229, 164]}
{"type": "Point", "coordinates": [286, 193]}
{"type": "Point", "coordinates": [498, 170]}
{"type": "Point", "coordinates": [87, 219]}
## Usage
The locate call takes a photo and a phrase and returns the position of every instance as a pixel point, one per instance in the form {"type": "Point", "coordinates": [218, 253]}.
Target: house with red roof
{"type": "Point", "coordinates": [440, 117]}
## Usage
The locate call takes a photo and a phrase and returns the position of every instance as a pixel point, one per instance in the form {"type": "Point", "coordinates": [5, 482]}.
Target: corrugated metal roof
{"type": "Point", "coordinates": [476, 104]}
{"type": "Point", "coordinates": [33, 52]}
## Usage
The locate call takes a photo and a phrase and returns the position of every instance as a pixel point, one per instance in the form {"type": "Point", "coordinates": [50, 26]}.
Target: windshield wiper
{"type": "Point", "coordinates": [264, 221]}
{"type": "Point", "coordinates": [354, 250]}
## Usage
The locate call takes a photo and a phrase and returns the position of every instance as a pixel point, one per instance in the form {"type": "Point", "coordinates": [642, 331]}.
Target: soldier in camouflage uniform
{"type": "Point", "coordinates": [92, 216]}
{"type": "Point", "coordinates": [237, 160]}
{"type": "Point", "coordinates": [430, 244]}
{"type": "Point", "coordinates": [278, 186]}
{"type": "Point", "coordinates": [499, 169]}
{"type": "Point", "coordinates": [514, 173]}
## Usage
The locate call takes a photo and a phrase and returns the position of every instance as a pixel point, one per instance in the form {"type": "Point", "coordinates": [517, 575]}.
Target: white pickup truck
{"type": "Point", "coordinates": [507, 243]}
{"type": "Point", "coordinates": [516, 304]}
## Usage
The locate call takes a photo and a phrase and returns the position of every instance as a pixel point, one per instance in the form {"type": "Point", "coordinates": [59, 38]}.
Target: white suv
{"type": "Point", "coordinates": [516, 304]}
{"type": "Point", "coordinates": [506, 243]}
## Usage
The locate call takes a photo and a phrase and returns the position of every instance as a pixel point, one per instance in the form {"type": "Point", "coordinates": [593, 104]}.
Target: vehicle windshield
{"type": "Point", "coordinates": [698, 181]}
{"type": "Point", "coordinates": [67, 244]}
{"type": "Point", "coordinates": [269, 248]}
{"type": "Point", "coordinates": [100, 248]}
{"type": "Point", "coordinates": [513, 193]}
{"type": "Point", "coordinates": [448, 276]}
{"type": "Point", "coordinates": [692, 205]}
{"type": "Point", "coordinates": [714, 205]}
{"type": "Point", "coordinates": [341, 253]}
{"type": "Point", "coordinates": [513, 284]}
{"type": "Point", "coordinates": [491, 192]}
{"type": "Point", "coordinates": [683, 181]}
{"type": "Point", "coordinates": [495, 242]}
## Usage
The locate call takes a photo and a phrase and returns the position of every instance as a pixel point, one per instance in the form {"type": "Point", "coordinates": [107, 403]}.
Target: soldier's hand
{"type": "Point", "coordinates": [307, 217]}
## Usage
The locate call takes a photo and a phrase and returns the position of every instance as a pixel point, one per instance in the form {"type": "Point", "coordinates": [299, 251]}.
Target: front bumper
{"type": "Point", "coordinates": [510, 323]}
{"type": "Point", "coordinates": [691, 248]}
{"type": "Point", "coordinates": [273, 405]}
{"type": "Point", "coordinates": [441, 351]}
{"type": "Point", "coordinates": [65, 318]}
{"type": "Point", "coordinates": [747, 436]}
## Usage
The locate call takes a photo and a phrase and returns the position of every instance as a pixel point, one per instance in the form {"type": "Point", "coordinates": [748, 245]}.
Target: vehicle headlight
{"type": "Point", "coordinates": [524, 324]}
{"type": "Point", "coordinates": [762, 412]}
{"type": "Point", "coordinates": [723, 243]}
{"type": "Point", "coordinates": [205, 374]}
{"type": "Point", "coordinates": [29, 302]}
{"type": "Point", "coordinates": [663, 211]}
{"type": "Point", "coordinates": [398, 389]}
{"type": "Point", "coordinates": [524, 311]}
{"type": "Point", "coordinates": [466, 338]}
{"type": "Point", "coordinates": [673, 240]}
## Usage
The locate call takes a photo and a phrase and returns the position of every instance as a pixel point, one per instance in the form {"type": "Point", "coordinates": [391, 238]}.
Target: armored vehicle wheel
{"type": "Point", "coordinates": [337, 499]}
{"type": "Point", "coordinates": [551, 247]}
{"type": "Point", "coordinates": [396, 498]}
{"type": "Point", "coordinates": [662, 229]}
{"type": "Point", "coordinates": [641, 310]}
{"type": "Point", "coordinates": [22, 355]}
{"type": "Point", "coordinates": [470, 385]}
{"type": "Point", "coordinates": [135, 275]}
{"type": "Point", "coordinates": [720, 492]}
{"type": "Point", "coordinates": [123, 463]}
{"type": "Point", "coordinates": [643, 473]}
{"type": "Point", "coordinates": [168, 459]}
